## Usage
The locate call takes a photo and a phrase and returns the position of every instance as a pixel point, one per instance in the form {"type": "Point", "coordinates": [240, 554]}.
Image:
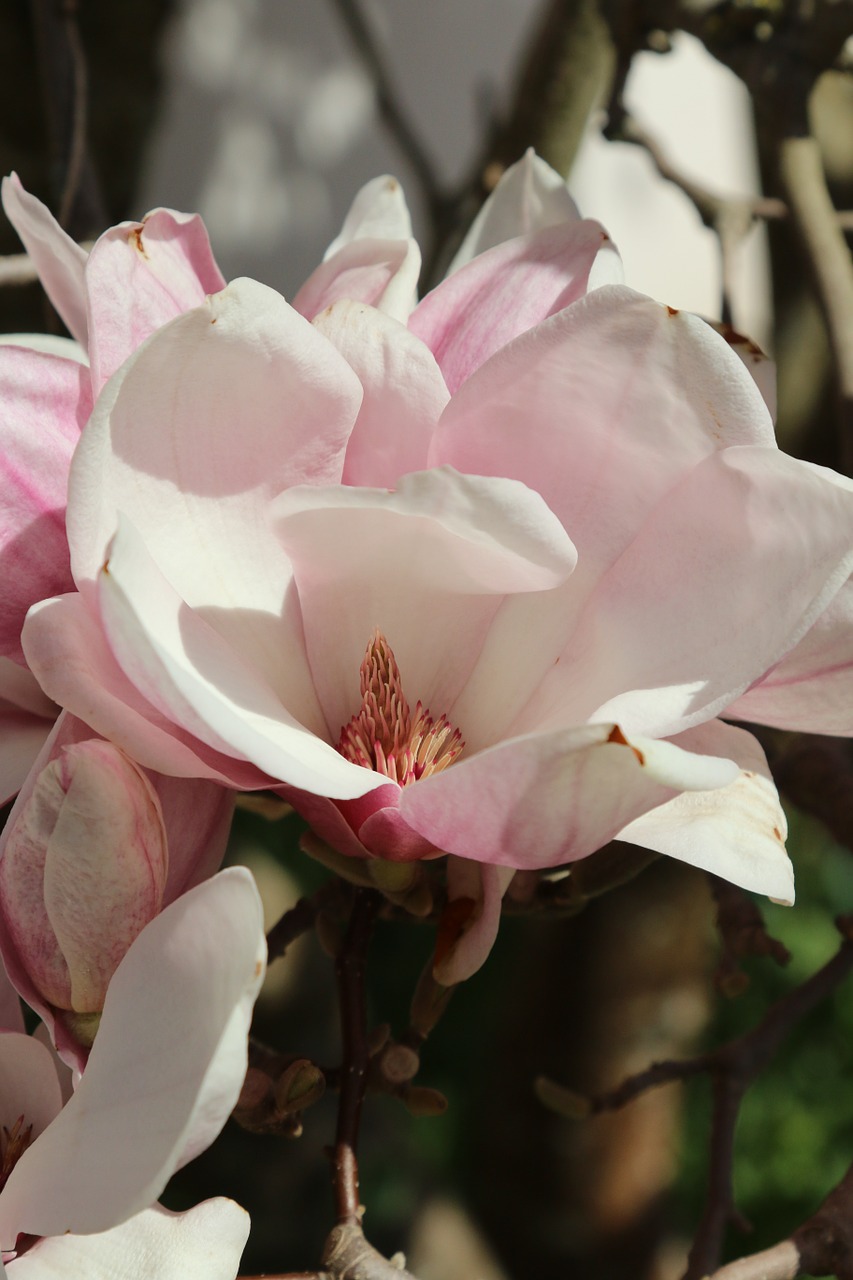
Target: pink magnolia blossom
{"type": "Point", "coordinates": [478, 583]}
{"type": "Point", "coordinates": [92, 851]}
{"type": "Point", "coordinates": [162, 1077]}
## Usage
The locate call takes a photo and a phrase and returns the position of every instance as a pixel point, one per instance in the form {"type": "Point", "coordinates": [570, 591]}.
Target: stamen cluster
{"type": "Point", "coordinates": [386, 735]}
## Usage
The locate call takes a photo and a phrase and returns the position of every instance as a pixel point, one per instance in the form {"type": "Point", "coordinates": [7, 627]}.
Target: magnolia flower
{"type": "Point", "coordinates": [92, 851]}
{"type": "Point", "coordinates": [476, 580]}
{"type": "Point", "coordinates": [78, 1181]}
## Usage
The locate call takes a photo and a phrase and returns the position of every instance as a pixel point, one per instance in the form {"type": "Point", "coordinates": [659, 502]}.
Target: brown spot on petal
{"type": "Point", "coordinates": [673, 311]}
{"type": "Point", "coordinates": [259, 968]}
{"type": "Point", "coordinates": [616, 735]}
{"type": "Point", "coordinates": [135, 235]}
{"type": "Point", "coordinates": [778, 834]}
{"type": "Point", "coordinates": [454, 920]}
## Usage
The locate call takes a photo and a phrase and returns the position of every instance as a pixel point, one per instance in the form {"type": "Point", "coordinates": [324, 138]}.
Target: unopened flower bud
{"type": "Point", "coordinates": [82, 873]}
{"type": "Point", "coordinates": [399, 1063]}
{"type": "Point", "coordinates": [299, 1086]}
{"type": "Point", "coordinates": [422, 1101]}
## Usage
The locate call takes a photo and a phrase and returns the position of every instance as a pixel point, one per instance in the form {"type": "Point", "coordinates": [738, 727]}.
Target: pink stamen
{"type": "Point", "coordinates": [384, 735]}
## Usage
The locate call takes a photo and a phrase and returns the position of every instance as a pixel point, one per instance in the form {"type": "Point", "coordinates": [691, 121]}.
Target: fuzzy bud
{"type": "Point", "coordinates": [82, 873]}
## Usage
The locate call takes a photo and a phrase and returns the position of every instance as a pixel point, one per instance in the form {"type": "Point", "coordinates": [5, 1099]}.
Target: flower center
{"type": "Point", "coordinates": [386, 735]}
{"type": "Point", "coordinates": [13, 1144]}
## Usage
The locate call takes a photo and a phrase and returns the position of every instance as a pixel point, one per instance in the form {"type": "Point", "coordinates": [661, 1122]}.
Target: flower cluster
{"type": "Point", "coordinates": [471, 578]}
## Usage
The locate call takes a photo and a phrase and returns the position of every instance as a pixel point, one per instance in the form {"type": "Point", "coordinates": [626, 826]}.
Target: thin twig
{"type": "Point", "coordinates": [79, 117]}
{"type": "Point", "coordinates": [730, 218]}
{"type": "Point", "coordinates": [782, 1262]}
{"type": "Point", "coordinates": [816, 220]}
{"type": "Point", "coordinates": [18, 268]}
{"type": "Point", "coordinates": [733, 1066]}
{"type": "Point", "coordinates": [300, 918]}
{"type": "Point", "coordinates": [742, 933]}
{"type": "Point", "coordinates": [391, 111]}
{"type": "Point", "coordinates": [350, 970]}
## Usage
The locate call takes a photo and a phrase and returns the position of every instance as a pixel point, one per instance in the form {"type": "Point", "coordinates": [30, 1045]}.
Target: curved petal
{"type": "Point", "coordinates": [404, 393]}
{"type": "Point", "coordinates": [204, 1243]}
{"type": "Point", "coordinates": [382, 273]}
{"type": "Point", "coordinates": [756, 361]}
{"type": "Point", "coordinates": [139, 276]}
{"type": "Point", "coordinates": [190, 674]}
{"type": "Point", "coordinates": [552, 798]}
{"type": "Point", "coordinates": [382, 269]}
{"type": "Point", "coordinates": [378, 212]}
{"type": "Point", "coordinates": [508, 290]}
{"type": "Point", "coordinates": [485, 887]}
{"type": "Point", "coordinates": [197, 818]}
{"type": "Point", "coordinates": [46, 400]}
{"type": "Point", "coordinates": [428, 564]}
{"type": "Point", "coordinates": [622, 397]}
{"type": "Point", "coordinates": [58, 260]}
{"type": "Point", "coordinates": [164, 1073]}
{"type": "Point", "coordinates": [52, 344]}
{"type": "Point", "coordinates": [529, 197]}
{"type": "Point", "coordinates": [728, 573]}
{"type": "Point", "coordinates": [737, 832]}
{"type": "Point", "coordinates": [68, 650]}
{"type": "Point", "coordinates": [218, 411]}
{"type": "Point", "coordinates": [29, 1085]}
{"type": "Point", "coordinates": [811, 689]}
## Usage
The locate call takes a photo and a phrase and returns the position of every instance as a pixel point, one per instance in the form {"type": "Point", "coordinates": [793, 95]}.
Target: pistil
{"type": "Point", "coordinates": [386, 735]}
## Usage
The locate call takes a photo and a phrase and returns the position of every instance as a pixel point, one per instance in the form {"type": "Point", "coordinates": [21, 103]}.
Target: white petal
{"type": "Point", "coordinates": [164, 1073]}
{"type": "Point", "coordinates": [205, 1243]}
{"type": "Point", "coordinates": [737, 832]}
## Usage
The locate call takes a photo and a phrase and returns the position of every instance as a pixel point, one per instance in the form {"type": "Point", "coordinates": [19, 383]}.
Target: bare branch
{"type": "Point", "coordinates": [816, 220]}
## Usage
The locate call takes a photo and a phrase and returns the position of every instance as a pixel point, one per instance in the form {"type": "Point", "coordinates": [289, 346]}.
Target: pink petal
{"type": "Point", "coordinates": [737, 831]}
{"type": "Point", "coordinates": [164, 1073]}
{"type": "Point", "coordinates": [529, 197]}
{"type": "Point", "coordinates": [507, 291]}
{"type": "Point", "coordinates": [29, 1085]}
{"type": "Point", "coordinates": [428, 564]}
{"type": "Point", "coordinates": [204, 1243]}
{"type": "Point", "coordinates": [68, 650]}
{"type": "Point", "coordinates": [381, 273]}
{"type": "Point", "coordinates": [373, 260]}
{"type": "Point", "coordinates": [552, 798]}
{"type": "Point", "coordinates": [811, 689]}
{"type": "Point", "coordinates": [486, 886]}
{"type": "Point", "coordinates": [732, 568]}
{"type": "Point", "coordinates": [139, 276]}
{"type": "Point", "coordinates": [220, 411]}
{"type": "Point", "coordinates": [58, 260]}
{"type": "Point", "coordinates": [46, 401]}
{"type": "Point", "coordinates": [106, 864]}
{"type": "Point", "coordinates": [190, 674]}
{"type": "Point", "coordinates": [622, 398]}
{"type": "Point", "coordinates": [197, 818]}
{"type": "Point", "coordinates": [404, 393]}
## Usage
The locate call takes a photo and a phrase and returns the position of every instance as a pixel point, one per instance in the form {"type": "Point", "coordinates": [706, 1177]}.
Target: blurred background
{"type": "Point", "coordinates": [267, 116]}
